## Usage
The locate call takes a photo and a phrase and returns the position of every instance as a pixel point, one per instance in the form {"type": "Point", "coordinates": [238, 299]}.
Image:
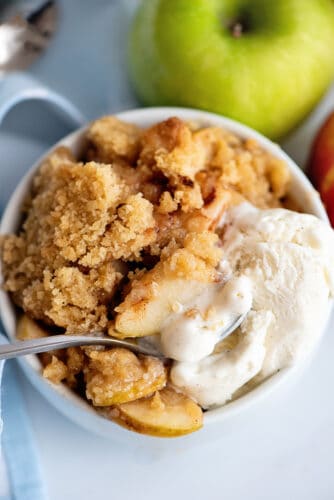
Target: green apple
{"type": "Point", "coordinates": [263, 62]}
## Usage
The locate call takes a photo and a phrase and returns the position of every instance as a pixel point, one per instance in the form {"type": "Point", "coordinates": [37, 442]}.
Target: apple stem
{"type": "Point", "coordinates": [236, 30]}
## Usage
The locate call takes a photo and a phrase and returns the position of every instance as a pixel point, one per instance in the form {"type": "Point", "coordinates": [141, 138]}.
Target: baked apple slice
{"type": "Point", "coordinates": [144, 310]}
{"type": "Point", "coordinates": [177, 279]}
{"type": "Point", "coordinates": [28, 329]}
{"type": "Point", "coordinates": [165, 414]}
{"type": "Point", "coordinates": [117, 376]}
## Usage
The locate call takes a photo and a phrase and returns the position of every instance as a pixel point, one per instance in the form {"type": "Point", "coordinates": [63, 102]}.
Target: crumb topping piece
{"type": "Point", "coordinates": [117, 376]}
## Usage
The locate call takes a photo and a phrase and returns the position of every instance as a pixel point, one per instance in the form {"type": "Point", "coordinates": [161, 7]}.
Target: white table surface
{"type": "Point", "coordinates": [282, 448]}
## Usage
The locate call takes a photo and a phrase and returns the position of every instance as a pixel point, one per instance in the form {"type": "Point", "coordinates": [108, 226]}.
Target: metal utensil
{"type": "Point", "coordinates": [45, 344]}
{"type": "Point", "coordinates": [25, 30]}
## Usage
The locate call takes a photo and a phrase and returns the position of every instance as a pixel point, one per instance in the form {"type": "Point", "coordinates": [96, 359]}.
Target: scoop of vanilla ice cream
{"type": "Point", "coordinates": [288, 258]}
{"type": "Point", "coordinates": [192, 333]}
{"type": "Point", "coordinates": [214, 379]}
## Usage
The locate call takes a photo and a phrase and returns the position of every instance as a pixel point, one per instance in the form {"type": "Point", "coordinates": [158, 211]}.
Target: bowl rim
{"type": "Point", "coordinates": [144, 117]}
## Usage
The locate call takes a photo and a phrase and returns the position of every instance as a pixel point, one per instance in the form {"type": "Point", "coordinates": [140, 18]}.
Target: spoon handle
{"type": "Point", "coordinates": [45, 344]}
{"type": "Point", "coordinates": [53, 342]}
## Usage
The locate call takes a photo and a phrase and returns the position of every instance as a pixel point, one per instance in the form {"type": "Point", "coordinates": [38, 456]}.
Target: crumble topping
{"type": "Point", "coordinates": [119, 238]}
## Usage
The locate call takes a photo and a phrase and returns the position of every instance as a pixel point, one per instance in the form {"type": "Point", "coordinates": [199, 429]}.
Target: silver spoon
{"type": "Point", "coordinates": [53, 342]}
{"type": "Point", "coordinates": [26, 27]}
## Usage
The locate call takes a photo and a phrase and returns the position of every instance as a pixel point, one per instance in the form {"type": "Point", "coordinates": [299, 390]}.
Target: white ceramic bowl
{"type": "Point", "coordinates": [63, 398]}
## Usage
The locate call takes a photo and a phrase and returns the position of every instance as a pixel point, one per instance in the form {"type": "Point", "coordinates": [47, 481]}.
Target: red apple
{"type": "Point", "coordinates": [321, 166]}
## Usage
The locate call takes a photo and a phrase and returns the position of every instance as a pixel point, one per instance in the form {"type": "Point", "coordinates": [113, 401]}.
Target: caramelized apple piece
{"type": "Point", "coordinates": [176, 279]}
{"type": "Point", "coordinates": [147, 305]}
{"type": "Point", "coordinates": [28, 329]}
{"type": "Point", "coordinates": [117, 376]}
{"type": "Point", "coordinates": [165, 414]}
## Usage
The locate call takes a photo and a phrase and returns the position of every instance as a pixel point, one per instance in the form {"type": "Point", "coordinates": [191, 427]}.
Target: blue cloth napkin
{"type": "Point", "coordinates": [23, 471]}
{"type": "Point", "coordinates": [23, 468]}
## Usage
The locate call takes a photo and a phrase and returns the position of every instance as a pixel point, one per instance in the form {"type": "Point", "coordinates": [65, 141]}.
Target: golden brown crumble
{"type": "Point", "coordinates": [117, 376]}
{"type": "Point", "coordinates": [117, 241]}
{"type": "Point", "coordinates": [86, 222]}
{"type": "Point", "coordinates": [55, 371]}
{"type": "Point", "coordinates": [110, 140]}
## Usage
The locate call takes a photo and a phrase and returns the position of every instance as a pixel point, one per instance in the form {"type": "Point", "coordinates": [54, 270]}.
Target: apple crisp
{"type": "Point", "coordinates": [112, 241]}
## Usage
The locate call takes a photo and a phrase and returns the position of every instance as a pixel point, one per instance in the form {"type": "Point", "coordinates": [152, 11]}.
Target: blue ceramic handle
{"type": "Point", "coordinates": [19, 87]}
